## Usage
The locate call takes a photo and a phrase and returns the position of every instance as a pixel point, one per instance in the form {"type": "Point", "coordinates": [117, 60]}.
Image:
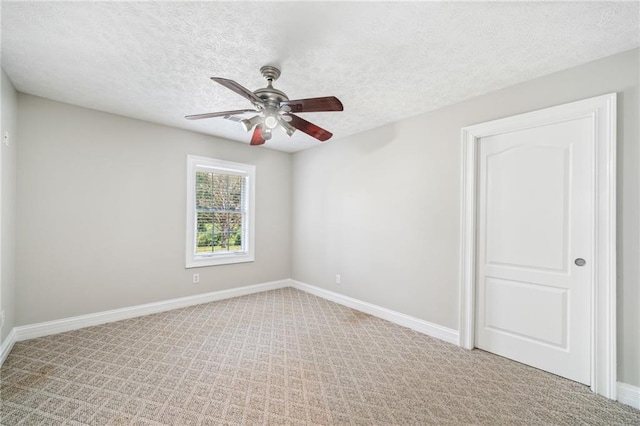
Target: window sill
{"type": "Point", "coordinates": [201, 261]}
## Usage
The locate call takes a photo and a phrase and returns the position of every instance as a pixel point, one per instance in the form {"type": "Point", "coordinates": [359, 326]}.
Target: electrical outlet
{"type": "Point", "coordinates": [196, 278]}
{"type": "Point", "coordinates": [338, 279]}
{"type": "Point", "coordinates": [6, 138]}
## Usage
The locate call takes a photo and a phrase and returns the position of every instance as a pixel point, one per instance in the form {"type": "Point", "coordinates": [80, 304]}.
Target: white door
{"type": "Point", "coordinates": [535, 246]}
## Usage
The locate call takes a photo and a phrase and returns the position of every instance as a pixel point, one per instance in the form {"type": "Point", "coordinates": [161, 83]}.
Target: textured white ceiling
{"type": "Point", "coordinates": [384, 61]}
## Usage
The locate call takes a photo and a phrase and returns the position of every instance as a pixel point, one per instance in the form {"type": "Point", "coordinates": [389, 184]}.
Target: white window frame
{"type": "Point", "coordinates": [196, 163]}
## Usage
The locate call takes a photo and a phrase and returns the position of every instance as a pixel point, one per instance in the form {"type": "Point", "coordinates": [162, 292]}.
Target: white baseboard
{"type": "Point", "coordinates": [73, 323]}
{"type": "Point", "coordinates": [419, 325]}
{"type": "Point", "coordinates": [7, 345]}
{"type": "Point", "coordinates": [629, 394]}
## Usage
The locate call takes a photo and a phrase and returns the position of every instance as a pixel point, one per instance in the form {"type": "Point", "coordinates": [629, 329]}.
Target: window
{"type": "Point", "coordinates": [220, 212]}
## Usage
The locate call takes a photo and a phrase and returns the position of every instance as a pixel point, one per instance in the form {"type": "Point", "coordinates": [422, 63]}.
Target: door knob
{"type": "Point", "coordinates": [580, 261]}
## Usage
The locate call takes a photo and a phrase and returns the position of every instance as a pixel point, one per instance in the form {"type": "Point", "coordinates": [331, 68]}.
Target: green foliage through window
{"type": "Point", "coordinates": [220, 212]}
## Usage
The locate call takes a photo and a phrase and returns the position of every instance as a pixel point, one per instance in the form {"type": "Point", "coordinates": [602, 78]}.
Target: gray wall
{"type": "Point", "coordinates": [101, 207]}
{"type": "Point", "coordinates": [8, 169]}
{"type": "Point", "coordinates": [101, 212]}
{"type": "Point", "coordinates": [382, 208]}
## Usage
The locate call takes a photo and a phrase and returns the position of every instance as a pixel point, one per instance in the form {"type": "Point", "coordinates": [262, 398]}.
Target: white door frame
{"type": "Point", "coordinates": [602, 111]}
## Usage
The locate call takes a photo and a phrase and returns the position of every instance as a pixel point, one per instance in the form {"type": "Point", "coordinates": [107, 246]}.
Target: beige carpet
{"type": "Point", "coordinates": [280, 357]}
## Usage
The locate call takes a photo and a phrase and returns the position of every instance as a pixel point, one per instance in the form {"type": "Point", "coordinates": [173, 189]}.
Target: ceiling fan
{"type": "Point", "coordinates": [274, 109]}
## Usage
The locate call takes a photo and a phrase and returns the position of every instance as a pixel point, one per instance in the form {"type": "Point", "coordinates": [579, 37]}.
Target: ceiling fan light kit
{"type": "Point", "coordinates": [274, 109]}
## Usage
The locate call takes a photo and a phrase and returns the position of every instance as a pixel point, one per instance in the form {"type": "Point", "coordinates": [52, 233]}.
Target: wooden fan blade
{"type": "Point", "coordinates": [328, 103]}
{"type": "Point", "coordinates": [218, 114]}
{"type": "Point", "coordinates": [309, 128]}
{"type": "Point", "coordinates": [256, 138]}
{"type": "Point", "coordinates": [239, 89]}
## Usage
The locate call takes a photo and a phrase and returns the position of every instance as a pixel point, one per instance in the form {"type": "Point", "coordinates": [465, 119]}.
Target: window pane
{"type": "Point", "coordinates": [204, 190]}
{"type": "Point", "coordinates": [220, 207]}
{"type": "Point", "coordinates": [225, 242]}
{"type": "Point", "coordinates": [204, 242]}
{"type": "Point", "coordinates": [217, 243]}
{"type": "Point", "coordinates": [220, 191]}
{"type": "Point", "coordinates": [236, 184]}
{"type": "Point", "coordinates": [235, 241]}
{"type": "Point", "coordinates": [221, 222]}
{"type": "Point", "coordinates": [227, 232]}
{"type": "Point", "coordinates": [235, 222]}
{"type": "Point", "coordinates": [204, 222]}
{"type": "Point", "coordinates": [235, 231]}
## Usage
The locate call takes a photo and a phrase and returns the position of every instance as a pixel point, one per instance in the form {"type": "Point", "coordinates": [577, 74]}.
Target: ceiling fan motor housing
{"type": "Point", "coordinates": [272, 97]}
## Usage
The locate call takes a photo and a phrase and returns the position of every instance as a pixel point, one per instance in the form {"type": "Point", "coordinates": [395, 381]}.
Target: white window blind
{"type": "Point", "coordinates": [219, 212]}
